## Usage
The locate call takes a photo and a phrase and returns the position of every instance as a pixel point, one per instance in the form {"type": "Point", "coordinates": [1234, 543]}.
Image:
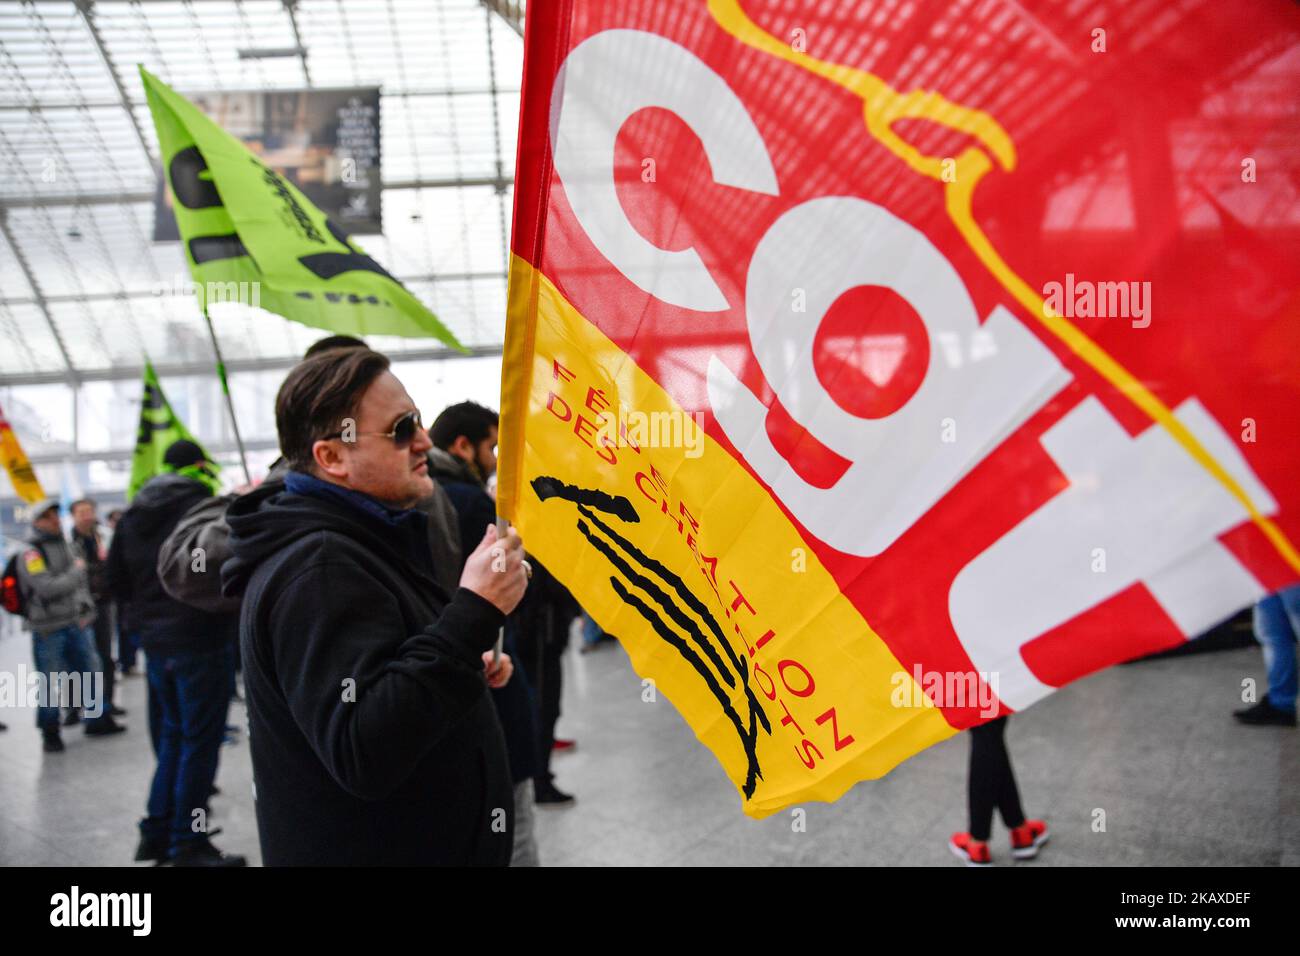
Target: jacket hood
{"type": "Point", "coordinates": [161, 495]}
{"type": "Point", "coordinates": [269, 519]}
{"type": "Point", "coordinates": [444, 466]}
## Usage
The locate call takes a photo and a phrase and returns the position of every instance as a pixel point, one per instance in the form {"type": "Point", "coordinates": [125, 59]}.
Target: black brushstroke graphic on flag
{"type": "Point", "coordinates": [656, 583]}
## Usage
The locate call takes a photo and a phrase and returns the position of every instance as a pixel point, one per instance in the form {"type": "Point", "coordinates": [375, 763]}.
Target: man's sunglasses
{"type": "Point", "coordinates": [402, 433]}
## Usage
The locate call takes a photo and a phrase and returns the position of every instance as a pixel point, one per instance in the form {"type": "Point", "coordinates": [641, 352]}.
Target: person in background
{"type": "Point", "coordinates": [991, 784]}
{"type": "Point", "coordinates": [464, 438]}
{"type": "Point", "coordinates": [462, 462]}
{"type": "Point", "coordinates": [372, 733]}
{"type": "Point", "coordinates": [88, 544]}
{"type": "Point", "coordinates": [128, 640]}
{"type": "Point", "coordinates": [543, 622]}
{"type": "Point", "coordinates": [188, 659]}
{"type": "Point", "coordinates": [60, 611]}
{"type": "Point", "coordinates": [1277, 624]}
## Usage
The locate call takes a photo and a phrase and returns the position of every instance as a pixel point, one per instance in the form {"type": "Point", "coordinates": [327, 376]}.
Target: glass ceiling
{"type": "Point", "coordinates": [84, 289]}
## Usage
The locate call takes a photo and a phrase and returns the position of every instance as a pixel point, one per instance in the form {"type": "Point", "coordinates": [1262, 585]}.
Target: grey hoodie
{"type": "Point", "coordinates": [56, 590]}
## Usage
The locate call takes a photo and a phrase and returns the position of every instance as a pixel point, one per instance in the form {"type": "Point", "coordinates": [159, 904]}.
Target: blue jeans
{"type": "Point", "coordinates": [191, 689]}
{"type": "Point", "coordinates": [67, 651]}
{"type": "Point", "coordinates": [1277, 622]}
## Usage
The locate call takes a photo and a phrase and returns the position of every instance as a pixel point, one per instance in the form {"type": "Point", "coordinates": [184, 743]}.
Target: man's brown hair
{"type": "Point", "coordinates": [318, 394]}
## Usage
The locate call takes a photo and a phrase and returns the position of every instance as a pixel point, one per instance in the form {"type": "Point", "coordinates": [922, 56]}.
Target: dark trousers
{"type": "Point", "coordinates": [552, 677]}
{"type": "Point", "coordinates": [191, 690]}
{"type": "Point", "coordinates": [542, 642]}
{"type": "Point", "coordinates": [104, 645]}
{"type": "Point", "coordinates": [991, 782]}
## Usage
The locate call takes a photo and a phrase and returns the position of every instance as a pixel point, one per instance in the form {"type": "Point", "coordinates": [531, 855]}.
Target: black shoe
{"type": "Point", "coordinates": [116, 711]}
{"type": "Point", "coordinates": [547, 794]}
{"type": "Point", "coordinates": [73, 718]}
{"type": "Point", "coordinates": [4, 727]}
{"type": "Point", "coordinates": [52, 742]}
{"type": "Point", "coordinates": [1264, 713]}
{"type": "Point", "coordinates": [152, 848]}
{"type": "Point", "coordinates": [104, 728]}
{"type": "Point", "coordinates": [203, 853]}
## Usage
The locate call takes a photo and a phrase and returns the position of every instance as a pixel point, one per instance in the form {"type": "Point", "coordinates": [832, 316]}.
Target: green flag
{"type": "Point", "coordinates": [251, 236]}
{"type": "Point", "coordinates": [159, 427]}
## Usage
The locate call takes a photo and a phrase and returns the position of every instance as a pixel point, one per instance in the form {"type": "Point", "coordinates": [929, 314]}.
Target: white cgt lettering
{"type": "Point", "coordinates": [1150, 504]}
{"type": "Point", "coordinates": [607, 78]}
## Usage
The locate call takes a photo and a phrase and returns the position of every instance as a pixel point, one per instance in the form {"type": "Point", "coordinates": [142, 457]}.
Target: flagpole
{"type": "Point", "coordinates": [503, 528]}
{"type": "Point", "coordinates": [225, 390]}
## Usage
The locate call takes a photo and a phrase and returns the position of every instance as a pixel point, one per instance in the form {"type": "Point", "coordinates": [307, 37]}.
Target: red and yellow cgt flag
{"type": "Point", "coordinates": [874, 369]}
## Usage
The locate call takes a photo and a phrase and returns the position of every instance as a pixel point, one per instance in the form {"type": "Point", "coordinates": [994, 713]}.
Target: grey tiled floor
{"type": "Point", "coordinates": [1150, 744]}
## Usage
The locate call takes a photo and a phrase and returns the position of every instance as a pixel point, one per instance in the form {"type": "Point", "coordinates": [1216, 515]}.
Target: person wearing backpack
{"type": "Point", "coordinates": [56, 601]}
{"type": "Point", "coordinates": [187, 656]}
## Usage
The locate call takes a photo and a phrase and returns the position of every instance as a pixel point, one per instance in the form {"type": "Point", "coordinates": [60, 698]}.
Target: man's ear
{"type": "Point", "coordinates": [462, 448]}
{"type": "Point", "coordinates": [330, 459]}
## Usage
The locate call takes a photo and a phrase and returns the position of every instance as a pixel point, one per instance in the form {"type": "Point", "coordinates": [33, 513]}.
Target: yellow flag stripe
{"type": "Point", "coordinates": [857, 687]}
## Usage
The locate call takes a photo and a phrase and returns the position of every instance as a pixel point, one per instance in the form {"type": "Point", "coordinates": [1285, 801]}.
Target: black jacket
{"type": "Point", "coordinates": [88, 548]}
{"type": "Point", "coordinates": [516, 708]}
{"type": "Point", "coordinates": [165, 625]}
{"type": "Point", "coordinates": [373, 737]}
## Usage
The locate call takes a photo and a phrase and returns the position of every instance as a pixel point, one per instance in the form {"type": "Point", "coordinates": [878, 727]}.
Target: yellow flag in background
{"type": "Point", "coordinates": [16, 463]}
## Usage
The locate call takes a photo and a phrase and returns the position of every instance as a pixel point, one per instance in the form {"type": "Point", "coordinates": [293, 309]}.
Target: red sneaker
{"type": "Point", "coordinates": [562, 746]}
{"type": "Point", "coordinates": [1027, 838]}
{"type": "Point", "coordinates": [974, 852]}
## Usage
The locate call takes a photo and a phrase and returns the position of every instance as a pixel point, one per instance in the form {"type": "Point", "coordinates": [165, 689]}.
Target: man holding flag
{"type": "Point", "coordinates": [374, 740]}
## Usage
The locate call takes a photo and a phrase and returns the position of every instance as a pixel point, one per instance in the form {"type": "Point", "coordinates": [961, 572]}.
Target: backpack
{"type": "Point", "coordinates": [12, 598]}
{"type": "Point", "coordinates": [202, 528]}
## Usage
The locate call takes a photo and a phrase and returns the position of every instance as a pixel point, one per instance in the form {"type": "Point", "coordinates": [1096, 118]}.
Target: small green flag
{"type": "Point", "coordinates": [251, 236]}
{"type": "Point", "coordinates": [159, 427]}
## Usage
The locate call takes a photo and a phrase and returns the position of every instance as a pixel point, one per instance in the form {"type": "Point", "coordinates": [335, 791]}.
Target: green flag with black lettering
{"type": "Point", "coordinates": [159, 427]}
{"type": "Point", "coordinates": [251, 236]}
